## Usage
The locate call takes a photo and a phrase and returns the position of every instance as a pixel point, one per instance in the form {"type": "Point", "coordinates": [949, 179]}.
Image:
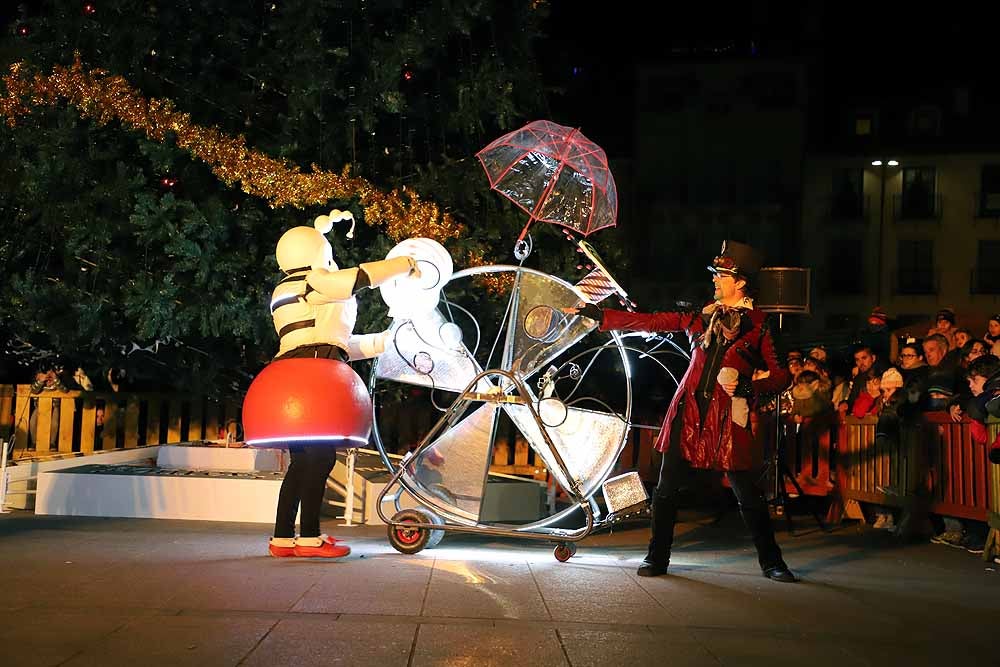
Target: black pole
{"type": "Point", "coordinates": [881, 223]}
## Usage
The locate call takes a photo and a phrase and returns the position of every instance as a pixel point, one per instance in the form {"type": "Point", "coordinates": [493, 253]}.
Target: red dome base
{"type": "Point", "coordinates": [307, 402]}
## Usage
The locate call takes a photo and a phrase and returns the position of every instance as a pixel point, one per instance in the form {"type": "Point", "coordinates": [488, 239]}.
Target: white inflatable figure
{"type": "Point", "coordinates": [427, 347]}
{"type": "Point", "coordinates": [315, 305]}
{"type": "Point", "coordinates": [308, 399]}
{"type": "Point", "coordinates": [410, 299]}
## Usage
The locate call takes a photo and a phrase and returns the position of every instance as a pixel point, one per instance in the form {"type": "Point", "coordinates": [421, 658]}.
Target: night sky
{"type": "Point", "coordinates": [851, 48]}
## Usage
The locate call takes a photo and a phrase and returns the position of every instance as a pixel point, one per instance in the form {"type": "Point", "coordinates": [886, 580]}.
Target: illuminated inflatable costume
{"type": "Point", "coordinates": [308, 399]}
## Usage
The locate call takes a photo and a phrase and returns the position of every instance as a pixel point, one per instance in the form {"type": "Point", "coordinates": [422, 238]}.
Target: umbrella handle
{"type": "Point", "coordinates": [523, 244]}
{"type": "Point", "coordinates": [522, 248]}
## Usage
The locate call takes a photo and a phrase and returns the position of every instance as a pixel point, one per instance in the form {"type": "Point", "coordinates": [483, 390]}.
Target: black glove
{"type": "Point", "coordinates": [591, 311]}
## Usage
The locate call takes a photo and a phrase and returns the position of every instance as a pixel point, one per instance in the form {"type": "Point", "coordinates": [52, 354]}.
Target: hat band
{"type": "Point", "coordinates": [724, 264]}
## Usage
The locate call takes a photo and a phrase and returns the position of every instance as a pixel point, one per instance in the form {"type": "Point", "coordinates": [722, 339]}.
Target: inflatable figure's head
{"type": "Point", "coordinates": [304, 248]}
{"type": "Point", "coordinates": [412, 297]}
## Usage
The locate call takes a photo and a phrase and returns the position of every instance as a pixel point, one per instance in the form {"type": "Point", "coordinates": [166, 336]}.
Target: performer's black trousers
{"type": "Point", "coordinates": [753, 507]}
{"type": "Point", "coordinates": [305, 483]}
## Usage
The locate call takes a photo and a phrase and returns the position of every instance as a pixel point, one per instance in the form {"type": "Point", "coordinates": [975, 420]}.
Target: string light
{"type": "Point", "coordinates": [105, 98]}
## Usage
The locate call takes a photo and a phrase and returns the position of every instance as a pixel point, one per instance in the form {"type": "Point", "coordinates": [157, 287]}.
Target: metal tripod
{"type": "Point", "coordinates": [778, 468]}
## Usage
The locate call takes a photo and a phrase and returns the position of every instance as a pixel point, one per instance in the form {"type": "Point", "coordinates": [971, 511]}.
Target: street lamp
{"type": "Point", "coordinates": [881, 223]}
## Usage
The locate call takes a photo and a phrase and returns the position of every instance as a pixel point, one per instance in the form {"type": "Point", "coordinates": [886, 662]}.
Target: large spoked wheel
{"type": "Point", "coordinates": [411, 540]}
{"type": "Point", "coordinates": [510, 319]}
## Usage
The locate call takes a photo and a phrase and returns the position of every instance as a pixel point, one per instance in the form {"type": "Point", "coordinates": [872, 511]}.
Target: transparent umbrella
{"type": "Point", "coordinates": [555, 174]}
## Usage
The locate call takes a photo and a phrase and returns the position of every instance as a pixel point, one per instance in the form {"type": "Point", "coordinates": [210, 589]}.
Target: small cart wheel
{"type": "Point", "coordinates": [408, 540]}
{"type": "Point", "coordinates": [562, 552]}
{"type": "Point", "coordinates": [572, 548]}
{"type": "Point", "coordinates": [436, 535]}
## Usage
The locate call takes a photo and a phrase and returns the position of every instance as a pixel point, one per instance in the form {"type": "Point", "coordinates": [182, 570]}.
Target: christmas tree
{"type": "Point", "coordinates": [118, 246]}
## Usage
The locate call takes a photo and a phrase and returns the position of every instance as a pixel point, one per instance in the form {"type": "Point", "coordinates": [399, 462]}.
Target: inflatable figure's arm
{"type": "Point", "coordinates": [328, 286]}
{"type": "Point", "coordinates": [366, 346]}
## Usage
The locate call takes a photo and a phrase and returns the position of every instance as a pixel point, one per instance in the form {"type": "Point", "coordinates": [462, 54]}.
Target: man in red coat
{"type": "Point", "coordinates": [707, 424]}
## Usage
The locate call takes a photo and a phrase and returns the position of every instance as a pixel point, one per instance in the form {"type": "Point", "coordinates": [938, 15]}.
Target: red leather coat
{"type": "Point", "coordinates": [715, 442]}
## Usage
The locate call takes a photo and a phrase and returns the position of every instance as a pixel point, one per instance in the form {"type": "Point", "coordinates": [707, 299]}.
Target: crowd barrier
{"type": "Point", "coordinates": [935, 463]}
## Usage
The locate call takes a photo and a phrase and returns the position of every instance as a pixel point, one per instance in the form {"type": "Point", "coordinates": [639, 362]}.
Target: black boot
{"type": "Point", "coordinates": [662, 527]}
{"type": "Point", "coordinates": [758, 521]}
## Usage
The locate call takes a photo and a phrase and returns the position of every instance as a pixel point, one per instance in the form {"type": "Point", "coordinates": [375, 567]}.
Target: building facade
{"type": "Point", "coordinates": [913, 233]}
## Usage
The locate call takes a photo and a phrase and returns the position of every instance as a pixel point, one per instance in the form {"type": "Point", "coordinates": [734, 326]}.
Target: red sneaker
{"type": "Point", "coordinates": [330, 539]}
{"type": "Point", "coordinates": [280, 551]}
{"type": "Point", "coordinates": [324, 550]}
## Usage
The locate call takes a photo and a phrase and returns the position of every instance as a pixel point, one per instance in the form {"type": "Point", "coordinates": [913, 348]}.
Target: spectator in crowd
{"type": "Point", "coordinates": [964, 533]}
{"type": "Point", "coordinates": [794, 363]}
{"type": "Point", "coordinates": [48, 379]}
{"type": "Point", "coordinates": [811, 396]}
{"type": "Point", "coordinates": [992, 335]}
{"type": "Point", "coordinates": [944, 325]}
{"type": "Point", "coordinates": [817, 366]}
{"type": "Point", "coordinates": [864, 370]}
{"type": "Point", "coordinates": [885, 398]}
{"type": "Point", "coordinates": [972, 350]}
{"type": "Point", "coordinates": [875, 336]}
{"type": "Point", "coordinates": [942, 378]}
{"type": "Point", "coordinates": [911, 366]}
{"type": "Point", "coordinates": [962, 336]}
{"type": "Point", "coordinates": [819, 353]}
{"type": "Point", "coordinates": [841, 394]}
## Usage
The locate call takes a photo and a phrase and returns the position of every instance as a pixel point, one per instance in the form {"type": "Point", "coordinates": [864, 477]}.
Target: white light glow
{"type": "Point", "coordinates": [893, 163]}
{"type": "Point", "coordinates": [876, 163]}
{"type": "Point", "coordinates": [311, 438]}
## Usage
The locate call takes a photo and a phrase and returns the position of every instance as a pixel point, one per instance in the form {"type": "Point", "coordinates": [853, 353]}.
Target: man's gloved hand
{"type": "Point", "coordinates": [588, 310]}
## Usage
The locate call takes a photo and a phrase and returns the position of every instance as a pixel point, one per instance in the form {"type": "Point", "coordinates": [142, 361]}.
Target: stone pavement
{"type": "Point", "coordinates": [81, 591]}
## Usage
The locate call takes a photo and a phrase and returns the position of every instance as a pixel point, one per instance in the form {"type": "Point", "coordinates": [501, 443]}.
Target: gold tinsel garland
{"type": "Point", "coordinates": [106, 98]}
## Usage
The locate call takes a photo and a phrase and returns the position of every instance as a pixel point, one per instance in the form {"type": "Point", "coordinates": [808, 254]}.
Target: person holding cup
{"type": "Point", "coordinates": [707, 424]}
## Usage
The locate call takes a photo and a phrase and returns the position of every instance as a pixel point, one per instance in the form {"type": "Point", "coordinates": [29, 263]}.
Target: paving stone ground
{"type": "Point", "coordinates": [87, 591]}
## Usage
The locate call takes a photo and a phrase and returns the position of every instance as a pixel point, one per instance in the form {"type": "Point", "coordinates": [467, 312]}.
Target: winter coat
{"type": "Point", "coordinates": [713, 440]}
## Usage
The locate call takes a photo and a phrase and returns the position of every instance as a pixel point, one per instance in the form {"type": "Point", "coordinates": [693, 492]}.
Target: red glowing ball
{"type": "Point", "coordinates": [307, 402]}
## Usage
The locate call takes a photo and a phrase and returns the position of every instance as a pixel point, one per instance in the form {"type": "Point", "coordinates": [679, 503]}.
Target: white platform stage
{"type": "Point", "coordinates": [159, 493]}
{"type": "Point", "coordinates": [212, 483]}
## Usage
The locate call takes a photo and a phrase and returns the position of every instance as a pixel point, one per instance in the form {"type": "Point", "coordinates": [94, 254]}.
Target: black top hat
{"type": "Point", "coordinates": [737, 258]}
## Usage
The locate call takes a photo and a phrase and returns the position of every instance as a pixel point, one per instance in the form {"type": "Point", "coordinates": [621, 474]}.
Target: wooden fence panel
{"type": "Point", "coordinates": [938, 459]}
{"type": "Point", "coordinates": [521, 452]}
{"type": "Point", "coordinates": [174, 421]}
{"type": "Point", "coordinates": [132, 422]}
{"type": "Point", "coordinates": [43, 424]}
{"type": "Point", "coordinates": [88, 424]}
{"type": "Point", "coordinates": [154, 408]}
{"type": "Point", "coordinates": [21, 416]}
{"type": "Point", "coordinates": [959, 467]}
{"type": "Point", "coordinates": [104, 420]}
{"type": "Point", "coordinates": [212, 410]}
{"type": "Point", "coordinates": [109, 433]}
{"type": "Point", "coordinates": [6, 410]}
{"type": "Point", "coordinates": [196, 420]}
{"type": "Point", "coordinates": [67, 412]}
